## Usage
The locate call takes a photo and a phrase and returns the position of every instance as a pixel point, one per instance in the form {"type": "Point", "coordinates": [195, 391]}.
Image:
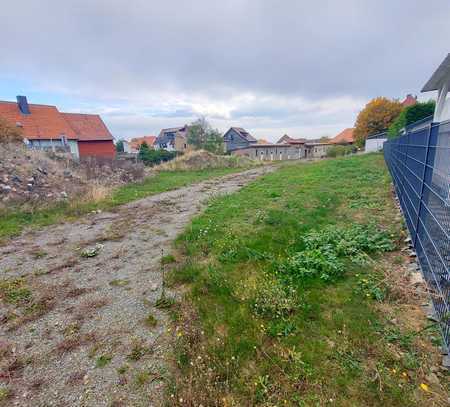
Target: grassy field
{"type": "Point", "coordinates": [296, 294]}
{"type": "Point", "coordinates": [14, 221]}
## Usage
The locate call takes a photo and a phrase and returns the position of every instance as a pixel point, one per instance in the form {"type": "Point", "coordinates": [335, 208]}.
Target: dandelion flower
{"type": "Point", "coordinates": [424, 387]}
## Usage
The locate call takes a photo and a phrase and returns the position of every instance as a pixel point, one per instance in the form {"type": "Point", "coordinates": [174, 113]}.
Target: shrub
{"type": "Point", "coordinates": [8, 133]}
{"type": "Point", "coordinates": [337, 151]}
{"type": "Point", "coordinates": [153, 157]}
{"type": "Point", "coordinates": [410, 115]}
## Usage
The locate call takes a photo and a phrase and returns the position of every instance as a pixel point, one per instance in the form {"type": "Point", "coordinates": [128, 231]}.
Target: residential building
{"type": "Point", "coordinates": [45, 127]}
{"type": "Point", "coordinates": [173, 139]}
{"type": "Point", "coordinates": [93, 137]}
{"type": "Point", "coordinates": [440, 81]}
{"type": "Point", "coordinates": [135, 143]}
{"type": "Point", "coordinates": [289, 140]}
{"type": "Point", "coordinates": [237, 138]}
{"type": "Point", "coordinates": [345, 137]}
{"type": "Point", "coordinates": [410, 100]}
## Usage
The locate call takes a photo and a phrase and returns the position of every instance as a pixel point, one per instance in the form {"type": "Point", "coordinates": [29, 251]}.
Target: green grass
{"type": "Point", "coordinates": [12, 222]}
{"type": "Point", "coordinates": [264, 339]}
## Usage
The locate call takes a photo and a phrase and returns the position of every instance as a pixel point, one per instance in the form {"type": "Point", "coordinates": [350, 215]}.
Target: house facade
{"type": "Point", "coordinates": [173, 139]}
{"type": "Point", "coordinates": [237, 138]}
{"type": "Point", "coordinates": [45, 127]}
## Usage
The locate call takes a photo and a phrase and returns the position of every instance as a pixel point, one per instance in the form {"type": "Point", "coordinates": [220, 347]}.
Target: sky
{"type": "Point", "coordinates": [302, 68]}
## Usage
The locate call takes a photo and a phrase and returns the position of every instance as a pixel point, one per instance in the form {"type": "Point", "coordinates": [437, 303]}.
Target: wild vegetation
{"type": "Point", "coordinates": [339, 151]}
{"type": "Point", "coordinates": [14, 220]}
{"type": "Point", "coordinates": [9, 134]}
{"type": "Point", "coordinates": [202, 136]}
{"type": "Point", "coordinates": [296, 294]}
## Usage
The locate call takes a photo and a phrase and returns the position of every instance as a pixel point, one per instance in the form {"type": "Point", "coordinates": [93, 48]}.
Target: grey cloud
{"type": "Point", "coordinates": [136, 53]}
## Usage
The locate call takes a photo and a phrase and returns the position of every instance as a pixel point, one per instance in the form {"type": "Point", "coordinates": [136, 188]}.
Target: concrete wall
{"type": "Point", "coordinates": [272, 153]}
{"type": "Point", "coordinates": [318, 151]}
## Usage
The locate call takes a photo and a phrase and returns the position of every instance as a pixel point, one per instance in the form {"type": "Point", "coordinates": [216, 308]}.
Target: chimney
{"type": "Point", "coordinates": [23, 105]}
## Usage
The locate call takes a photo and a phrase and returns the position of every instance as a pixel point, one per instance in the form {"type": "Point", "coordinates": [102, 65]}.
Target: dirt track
{"type": "Point", "coordinates": [79, 337]}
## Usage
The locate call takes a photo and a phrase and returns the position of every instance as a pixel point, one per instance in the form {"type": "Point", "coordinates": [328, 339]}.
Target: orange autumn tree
{"type": "Point", "coordinates": [376, 117]}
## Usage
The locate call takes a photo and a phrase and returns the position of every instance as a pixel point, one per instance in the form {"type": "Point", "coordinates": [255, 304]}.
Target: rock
{"type": "Point", "coordinates": [154, 287]}
{"type": "Point", "coordinates": [64, 194]}
{"type": "Point", "coordinates": [67, 173]}
{"type": "Point", "coordinates": [41, 170]}
{"type": "Point", "coordinates": [407, 240]}
{"type": "Point", "coordinates": [31, 180]}
{"type": "Point", "coordinates": [30, 187]}
{"type": "Point", "coordinates": [5, 188]}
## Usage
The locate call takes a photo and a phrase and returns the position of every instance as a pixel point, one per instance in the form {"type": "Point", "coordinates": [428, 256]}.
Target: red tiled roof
{"type": "Point", "coordinates": [410, 100]}
{"type": "Point", "coordinates": [136, 142]}
{"type": "Point", "coordinates": [88, 127]}
{"type": "Point", "coordinates": [289, 140]}
{"type": "Point", "coordinates": [44, 122]}
{"type": "Point", "coordinates": [345, 136]}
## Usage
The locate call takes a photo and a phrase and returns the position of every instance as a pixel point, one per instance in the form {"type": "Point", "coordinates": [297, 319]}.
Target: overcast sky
{"type": "Point", "coordinates": [272, 66]}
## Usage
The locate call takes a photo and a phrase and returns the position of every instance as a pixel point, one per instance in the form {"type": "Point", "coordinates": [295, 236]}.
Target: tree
{"type": "Point", "coordinates": [9, 133]}
{"type": "Point", "coordinates": [376, 117]}
{"type": "Point", "coordinates": [202, 136]}
{"type": "Point", "coordinates": [119, 146]}
{"type": "Point", "coordinates": [410, 115]}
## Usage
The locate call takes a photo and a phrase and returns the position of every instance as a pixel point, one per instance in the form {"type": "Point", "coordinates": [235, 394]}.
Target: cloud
{"type": "Point", "coordinates": [305, 66]}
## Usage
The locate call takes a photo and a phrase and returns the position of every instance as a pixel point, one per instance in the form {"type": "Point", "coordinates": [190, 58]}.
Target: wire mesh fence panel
{"type": "Point", "coordinates": [419, 164]}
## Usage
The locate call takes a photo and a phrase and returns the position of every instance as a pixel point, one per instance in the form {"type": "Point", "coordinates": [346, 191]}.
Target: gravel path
{"type": "Point", "coordinates": [75, 330]}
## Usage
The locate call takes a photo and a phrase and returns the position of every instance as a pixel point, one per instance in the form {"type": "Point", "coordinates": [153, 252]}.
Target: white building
{"type": "Point", "coordinates": [440, 81]}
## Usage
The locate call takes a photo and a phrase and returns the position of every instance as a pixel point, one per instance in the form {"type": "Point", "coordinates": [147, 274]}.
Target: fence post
{"type": "Point", "coordinates": [422, 184]}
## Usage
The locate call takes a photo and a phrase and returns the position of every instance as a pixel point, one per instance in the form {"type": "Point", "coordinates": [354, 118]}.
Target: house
{"type": "Point", "coordinates": [345, 137]}
{"type": "Point", "coordinates": [271, 152]}
{"type": "Point", "coordinates": [93, 137]}
{"type": "Point", "coordinates": [135, 143]}
{"type": "Point", "coordinates": [410, 100]}
{"type": "Point", "coordinates": [173, 139]}
{"type": "Point", "coordinates": [440, 81]}
{"type": "Point", "coordinates": [289, 140]}
{"type": "Point", "coordinates": [237, 138]}
{"type": "Point", "coordinates": [45, 127]}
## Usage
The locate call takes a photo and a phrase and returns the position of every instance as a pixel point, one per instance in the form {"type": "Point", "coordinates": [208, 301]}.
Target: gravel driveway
{"type": "Point", "coordinates": [78, 322]}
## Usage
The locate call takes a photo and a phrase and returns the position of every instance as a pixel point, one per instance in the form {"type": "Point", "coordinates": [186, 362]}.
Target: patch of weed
{"type": "Point", "coordinates": [102, 361]}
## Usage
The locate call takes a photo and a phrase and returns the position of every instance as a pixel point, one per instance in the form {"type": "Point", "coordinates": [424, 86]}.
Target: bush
{"type": "Point", "coordinates": [8, 133]}
{"type": "Point", "coordinates": [153, 157]}
{"type": "Point", "coordinates": [337, 151]}
{"type": "Point", "coordinates": [409, 115]}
